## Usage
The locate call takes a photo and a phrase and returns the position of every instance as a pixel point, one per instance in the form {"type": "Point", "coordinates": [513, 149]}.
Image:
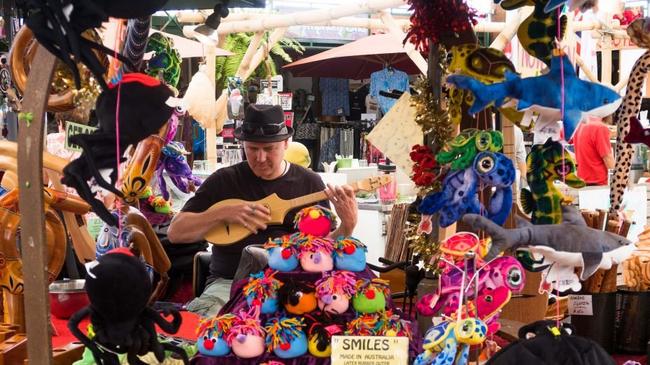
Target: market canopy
{"type": "Point", "coordinates": [356, 60]}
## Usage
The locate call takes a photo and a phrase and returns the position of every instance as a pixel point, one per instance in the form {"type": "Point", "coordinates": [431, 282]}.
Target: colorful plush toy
{"type": "Point", "coordinates": [366, 324]}
{"type": "Point", "coordinates": [166, 59]}
{"type": "Point", "coordinates": [371, 295]}
{"type": "Point", "coordinates": [498, 171]}
{"type": "Point", "coordinates": [286, 338]}
{"type": "Point", "coordinates": [283, 252]}
{"type": "Point", "coordinates": [321, 328]}
{"type": "Point", "coordinates": [570, 244]}
{"type": "Point", "coordinates": [262, 290]}
{"type": "Point", "coordinates": [392, 325]}
{"type": "Point", "coordinates": [246, 336]}
{"type": "Point", "coordinates": [548, 163]}
{"type": "Point", "coordinates": [316, 221]}
{"type": "Point", "coordinates": [442, 342]}
{"type": "Point", "coordinates": [212, 334]}
{"type": "Point", "coordinates": [543, 94]}
{"type": "Point", "coordinates": [316, 254]}
{"type": "Point", "coordinates": [461, 151]}
{"type": "Point", "coordinates": [335, 290]}
{"type": "Point", "coordinates": [179, 171]}
{"type": "Point", "coordinates": [297, 297]}
{"type": "Point", "coordinates": [350, 254]}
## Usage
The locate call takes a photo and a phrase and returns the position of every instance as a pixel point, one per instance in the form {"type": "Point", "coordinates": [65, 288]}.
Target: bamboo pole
{"type": "Point", "coordinates": [413, 54]}
{"type": "Point", "coordinates": [511, 28]}
{"type": "Point", "coordinates": [211, 132]}
{"type": "Point", "coordinates": [581, 63]}
{"type": "Point", "coordinates": [253, 47]}
{"type": "Point", "coordinates": [30, 175]}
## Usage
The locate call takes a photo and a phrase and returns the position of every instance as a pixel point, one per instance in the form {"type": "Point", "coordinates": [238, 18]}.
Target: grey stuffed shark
{"type": "Point", "coordinates": [571, 243]}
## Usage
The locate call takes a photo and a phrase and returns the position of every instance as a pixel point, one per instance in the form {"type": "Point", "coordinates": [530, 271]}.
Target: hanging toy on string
{"type": "Point", "coordinates": [174, 163]}
{"type": "Point", "coordinates": [335, 290]}
{"type": "Point", "coordinates": [165, 61]}
{"type": "Point", "coordinates": [246, 336]}
{"type": "Point", "coordinates": [262, 290]}
{"type": "Point", "coordinates": [283, 252]}
{"type": "Point", "coordinates": [547, 164]}
{"type": "Point", "coordinates": [461, 151]}
{"type": "Point", "coordinates": [119, 289]}
{"type": "Point", "coordinates": [285, 337]}
{"type": "Point", "coordinates": [143, 111]}
{"type": "Point", "coordinates": [212, 334]}
{"type": "Point", "coordinates": [543, 94]}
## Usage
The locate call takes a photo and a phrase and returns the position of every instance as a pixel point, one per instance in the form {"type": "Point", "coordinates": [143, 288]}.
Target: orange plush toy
{"type": "Point", "coordinates": [298, 298]}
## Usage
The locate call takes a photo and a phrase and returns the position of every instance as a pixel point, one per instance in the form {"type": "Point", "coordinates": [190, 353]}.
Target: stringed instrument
{"type": "Point", "coordinates": [226, 234]}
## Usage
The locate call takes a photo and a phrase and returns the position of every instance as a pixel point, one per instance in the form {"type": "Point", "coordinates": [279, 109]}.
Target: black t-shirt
{"type": "Point", "coordinates": [239, 182]}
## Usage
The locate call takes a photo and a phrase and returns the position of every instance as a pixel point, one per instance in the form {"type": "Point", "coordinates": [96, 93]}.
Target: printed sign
{"type": "Point", "coordinates": [276, 84]}
{"type": "Point", "coordinates": [581, 305]}
{"type": "Point", "coordinates": [369, 350]}
{"type": "Point", "coordinates": [286, 100]}
{"type": "Point", "coordinates": [72, 129]}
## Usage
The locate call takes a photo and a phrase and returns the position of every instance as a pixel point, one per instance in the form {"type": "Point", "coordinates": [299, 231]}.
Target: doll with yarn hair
{"type": "Point", "coordinates": [286, 338]}
{"type": "Point", "coordinates": [262, 291]}
{"type": "Point", "coordinates": [321, 327]}
{"type": "Point", "coordinates": [297, 297]}
{"type": "Point", "coordinates": [283, 252]}
{"type": "Point", "coordinates": [350, 254]}
{"type": "Point", "coordinates": [315, 221]}
{"type": "Point", "coordinates": [212, 335]}
{"type": "Point", "coordinates": [392, 325]}
{"type": "Point", "coordinates": [246, 336]}
{"type": "Point", "coordinates": [335, 290]}
{"type": "Point", "coordinates": [316, 254]}
{"type": "Point", "coordinates": [367, 324]}
{"type": "Point", "coordinates": [371, 295]}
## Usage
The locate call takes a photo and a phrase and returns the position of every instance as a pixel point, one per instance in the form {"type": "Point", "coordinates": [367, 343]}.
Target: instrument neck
{"type": "Point", "coordinates": [314, 198]}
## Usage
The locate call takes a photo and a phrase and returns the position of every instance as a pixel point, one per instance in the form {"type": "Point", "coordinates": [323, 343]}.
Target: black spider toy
{"type": "Point", "coordinates": [142, 112]}
{"type": "Point", "coordinates": [119, 288]}
{"type": "Point", "coordinates": [58, 25]}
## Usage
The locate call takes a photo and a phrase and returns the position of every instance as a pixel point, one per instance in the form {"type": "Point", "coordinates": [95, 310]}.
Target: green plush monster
{"type": "Point", "coordinates": [165, 60]}
{"type": "Point", "coordinates": [371, 296]}
{"type": "Point", "coordinates": [461, 150]}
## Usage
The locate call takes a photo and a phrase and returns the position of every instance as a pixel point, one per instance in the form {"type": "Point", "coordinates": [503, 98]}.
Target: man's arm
{"type": "Point", "coordinates": [345, 203]}
{"type": "Point", "coordinates": [187, 227]}
{"type": "Point", "coordinates": [609, 160]}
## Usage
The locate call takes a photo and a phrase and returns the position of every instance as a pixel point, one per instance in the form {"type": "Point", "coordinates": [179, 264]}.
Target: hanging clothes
{"type": "Point", "coordinates": [388, 79]}
{"type": "Point", "coordinates": [330, 146]}
{"type": "Point", "coordinates": [358, 102]}
{"type": "Point", "coordinates": [347, 142]}
{"type": "Point", "coordinates": [335, 96]}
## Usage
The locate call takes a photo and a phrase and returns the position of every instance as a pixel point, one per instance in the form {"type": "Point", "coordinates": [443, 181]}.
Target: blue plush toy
{"type": "Point", "coordinates": [283, 252]}
{"type": "Point", "coordinates": [212, 333]}
{"type": "Point", "coordinates": [497, 170]}
{"type": "Point", "coordinates": [543, 94]}
{"type": "Point", "coordinates": [286, 338]}
{"type": "Point", "coordinates": [350, 254]}
{"type": "Point", "coordinates": [262, 290]}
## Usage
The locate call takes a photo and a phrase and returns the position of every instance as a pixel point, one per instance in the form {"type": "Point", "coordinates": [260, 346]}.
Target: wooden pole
{"type": "Point", "coordinates": [510, 30]}
{"type": "Point", "coordinates": [32, 230]}
{"type": "Point", "coordinates": [409, 47]}
{"type": "Point", "coordinates": [211, 131]}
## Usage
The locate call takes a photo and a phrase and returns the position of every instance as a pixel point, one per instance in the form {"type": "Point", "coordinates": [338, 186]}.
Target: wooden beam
{"type": "Point", "coordinates": [211, 131]}
{"type": "Point", "coordinates": [32, 229]}
{"type": "Point", "coordinates": [413, 54]}
{"type": "Point", "coordinates": [511, 27]}
{"type": "Point", "coordinates": [252, 49]}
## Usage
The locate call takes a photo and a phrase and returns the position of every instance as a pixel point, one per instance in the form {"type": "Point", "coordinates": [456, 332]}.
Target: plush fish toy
{"type": "Point", "coordinates": [571, 243]}
{"type": "Point", "coordinates": [543, 94]}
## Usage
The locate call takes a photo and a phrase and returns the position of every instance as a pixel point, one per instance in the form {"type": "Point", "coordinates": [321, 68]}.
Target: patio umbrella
{"type": "Point", "coordinates": [356, 60]}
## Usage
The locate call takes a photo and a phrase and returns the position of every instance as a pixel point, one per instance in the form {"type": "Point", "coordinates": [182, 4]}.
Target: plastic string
{"type": "Point", "coordinates": [118, 154]}
{"type": "Point", "coordinates": [559, 39]}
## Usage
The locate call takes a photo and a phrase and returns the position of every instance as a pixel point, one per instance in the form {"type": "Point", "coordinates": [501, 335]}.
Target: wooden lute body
{"type": "Point", "coordinates": [228, 234]}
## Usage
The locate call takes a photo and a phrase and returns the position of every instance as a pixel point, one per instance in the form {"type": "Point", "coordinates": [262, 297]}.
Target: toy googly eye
{"type": "Point", "coordinates": [563, 168]}
{"type": "Point", "coordinates": [483, 140]}
{"type": "Point", "coordinates": [514, 276]}
{"type": "Point", "coordinates": [485, 164]}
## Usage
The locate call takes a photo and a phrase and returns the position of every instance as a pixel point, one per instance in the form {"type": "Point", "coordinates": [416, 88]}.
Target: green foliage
{"type": "Point", "coordinates": [238, 44]}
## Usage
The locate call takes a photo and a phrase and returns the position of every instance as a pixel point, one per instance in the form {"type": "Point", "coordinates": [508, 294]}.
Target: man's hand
{"type": "Point", "coordinates": [253, 216]}
{"type": "Point", "coordinates": [342, 197]}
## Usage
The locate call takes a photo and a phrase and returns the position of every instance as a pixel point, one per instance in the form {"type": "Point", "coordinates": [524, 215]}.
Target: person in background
{"type": "Point", "coordinates": [593, 151]}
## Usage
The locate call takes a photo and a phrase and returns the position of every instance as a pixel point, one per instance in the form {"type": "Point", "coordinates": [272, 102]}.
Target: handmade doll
{"type": "Point", "coordinates": [283, 252]}
{"type": "Point", "coordinates": [297, 297]}
{"type": "Point", "coordinates": [262, 291]}
{"type": "Point", "coordinates": [392, 325]}
{"type": "Point", "coordinates": [367, 324]}
{"type": "Point", "coordinates": [335, 290]}
{"type": "Point", "coordinates": [316, 254]}
{"type": "Point", "coordinates": [321, 327]}
{"type": "Point", "coordinates": [212, 335]}
{"type": "Point", "coordinates": [370, 296]}
{"type": "Point", "coordinates": [316, 221]}
{"type": "Point", "coordinates": [350, 255]}
{"type": "Point", "coordinates": [286, 338]}
{"type": "Point", "coordinates": [246, 336]}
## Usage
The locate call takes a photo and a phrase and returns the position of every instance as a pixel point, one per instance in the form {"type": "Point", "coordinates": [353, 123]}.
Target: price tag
{"type": "Point", "coordinates": [369, 350]}
{"type": "Point", "coordinates": [72, 129]}
{"type": "Point", "coordinates": [581, 305]}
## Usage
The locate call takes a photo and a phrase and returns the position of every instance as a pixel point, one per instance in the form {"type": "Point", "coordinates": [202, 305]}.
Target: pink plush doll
{"type": "Point", "coordinates": [262, 290]}
{"type": "Point", "coordinates": [316, 221]}
{"type": "Point", "coordinates": [335, 290]}
{"type": "Point", "coordinates": [247, 336]}
{"type": "Point", "coordinates": [317, 254]}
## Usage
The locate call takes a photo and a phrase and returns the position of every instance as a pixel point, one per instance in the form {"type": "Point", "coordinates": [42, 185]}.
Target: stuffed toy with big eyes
{"type": "Point", "coordinates": [335, 290]}
{"type": "Point", "coordinates": [297, 297]}
{"type": "Point", "coordinates": [315, 221]}
{"type": "Point", "coordinates": [371, 295]}
{"type": "Point", "coordinates": [321, 327]}
{"type": "Point", "coordinates": [262, 290]}
{"type": "Point", "coordinates": [212, 335]}
{"type": "Point", "coordinates": [286, 338]}
{"type": "Point", "coordinates": [350, 254]}
{"type": "Point", "coordinates": [283, 252]}
{"type": "Point", "coordinates": [316, 254]}
{"type": "Point", "coordinates": [246, 336]}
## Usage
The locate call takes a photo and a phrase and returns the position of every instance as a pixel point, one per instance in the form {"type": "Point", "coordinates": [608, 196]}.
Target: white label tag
{"type": "Point", "coordinates": [366, 350]}
{"type": "Point", "coordinates": [581, 305]}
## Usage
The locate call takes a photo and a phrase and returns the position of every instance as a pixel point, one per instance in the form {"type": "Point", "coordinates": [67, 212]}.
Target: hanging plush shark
{"type": "Point", "coordinates": [543, 94]}
{"type": "Point", "coordinates": [571, 243]}
{"type": "Point", "coordinates": [583, 5]}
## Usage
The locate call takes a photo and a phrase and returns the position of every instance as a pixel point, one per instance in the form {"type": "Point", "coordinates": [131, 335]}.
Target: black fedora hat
{"type": "Point", "coordinates": [263, 123]}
